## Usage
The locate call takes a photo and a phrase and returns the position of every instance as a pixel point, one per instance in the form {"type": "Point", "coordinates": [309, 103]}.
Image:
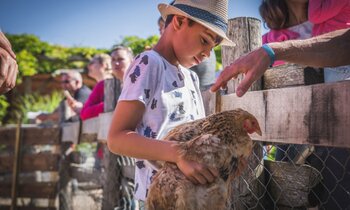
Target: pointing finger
{"type": "Point", "coordinates": [244, 85]}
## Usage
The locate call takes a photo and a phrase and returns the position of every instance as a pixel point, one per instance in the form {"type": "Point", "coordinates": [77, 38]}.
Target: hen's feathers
{"type": "Point", "coordinates": [220, 141]}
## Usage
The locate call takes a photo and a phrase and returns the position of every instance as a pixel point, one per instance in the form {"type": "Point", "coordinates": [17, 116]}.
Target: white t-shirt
{"type": "Point", "coordinates": [171, 97]}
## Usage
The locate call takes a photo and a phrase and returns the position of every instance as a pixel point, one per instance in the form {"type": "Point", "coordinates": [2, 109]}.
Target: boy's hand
{"type": "Point", "coordinates": [197, 173]}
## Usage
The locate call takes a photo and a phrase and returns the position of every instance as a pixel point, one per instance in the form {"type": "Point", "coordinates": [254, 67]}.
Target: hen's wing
{"type": "Point", "coordinates": [185, 132]}
{"type": "Point", "coordinates": [207, 149]}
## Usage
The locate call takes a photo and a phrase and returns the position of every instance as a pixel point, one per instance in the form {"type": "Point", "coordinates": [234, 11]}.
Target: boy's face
{"type": "Point", "coordinates": [192, 44]}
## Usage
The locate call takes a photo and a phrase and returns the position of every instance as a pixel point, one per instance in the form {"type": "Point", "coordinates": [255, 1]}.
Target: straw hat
{"type": "Point", "coordinates": [212, 14]}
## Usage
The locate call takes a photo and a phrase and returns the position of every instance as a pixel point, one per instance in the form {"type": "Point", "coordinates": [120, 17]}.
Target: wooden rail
{"type": "Point", "coordinates": [316, 114]}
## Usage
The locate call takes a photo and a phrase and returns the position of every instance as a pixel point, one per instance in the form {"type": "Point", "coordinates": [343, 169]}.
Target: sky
{"type": "Point", "coordinates": [93, 23]}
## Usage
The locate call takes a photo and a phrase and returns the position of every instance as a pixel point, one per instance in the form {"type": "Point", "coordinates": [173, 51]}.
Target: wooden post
{"type": "Point", "coordinates": [246, 33]}
{"type": "Point", "coordinates": [248, 188]}
{"type": "Point", "coordinates": [27, 82]}
{"type": "Point", "coordinates": [111, 191]}
{"type": "Point", "coordinates": [112, 181]}
{"type": "Point", "coordinates": [16, 166]}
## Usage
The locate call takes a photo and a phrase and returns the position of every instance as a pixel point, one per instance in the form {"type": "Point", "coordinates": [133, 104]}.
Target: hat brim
{"type": "Point", "coordinates": [166, 10]}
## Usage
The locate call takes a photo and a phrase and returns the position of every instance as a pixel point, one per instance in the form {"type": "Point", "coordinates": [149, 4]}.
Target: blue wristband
{"type": "Point", "coordinates": [269, 52]}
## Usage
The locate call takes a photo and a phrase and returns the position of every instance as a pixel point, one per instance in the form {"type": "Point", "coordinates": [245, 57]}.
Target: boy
{"type": "Point", "coordinates": [160, 92]}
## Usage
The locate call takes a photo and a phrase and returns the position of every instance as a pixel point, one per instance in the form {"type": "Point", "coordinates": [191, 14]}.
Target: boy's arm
{"type": "Point", "coordinates": [123, 139]}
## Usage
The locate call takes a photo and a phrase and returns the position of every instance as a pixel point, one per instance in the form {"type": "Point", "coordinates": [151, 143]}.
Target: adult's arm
{"type": "Point", "coordinates": [6, 45]}
{"type": "Point", "coordinates": [8, 65]}
{"type": "Point", "coordinates": [328, 50]}
{"type": "Point", "coordinates": [54, 116]}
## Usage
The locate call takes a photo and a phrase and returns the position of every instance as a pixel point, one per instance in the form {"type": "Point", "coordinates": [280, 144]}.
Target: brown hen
{"type": "Point", "coordinates": [220, 140]}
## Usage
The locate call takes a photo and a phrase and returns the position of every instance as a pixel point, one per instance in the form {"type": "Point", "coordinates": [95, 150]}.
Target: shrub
{"type": "Point", "coordinates": [33, 103]}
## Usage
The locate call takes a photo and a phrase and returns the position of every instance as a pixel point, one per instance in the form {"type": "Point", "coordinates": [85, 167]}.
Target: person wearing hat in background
{"type": "Point", "coordinates": [160, 92]}
{"type": "Point", "coordinates": [8, 65]}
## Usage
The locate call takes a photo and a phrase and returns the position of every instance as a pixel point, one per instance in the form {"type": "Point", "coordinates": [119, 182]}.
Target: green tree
{"type": "Point", "coordinates": [3, 106]}
{"type": "Point", "coordinates": [138, 45]}
{"type": "Point", "coordinates": [35, 56]}
{"type": "Point", "coordinates": [217, 51]}
{"type": "Point", "coordinates": [33, 103]}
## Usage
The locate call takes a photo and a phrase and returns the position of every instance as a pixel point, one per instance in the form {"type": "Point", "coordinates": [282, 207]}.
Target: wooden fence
{"type": "Point", "coordinates": [288, 103]}
{"type": "Point", "coordinates": [291, 107]}
{"type": "Point", "coordinates": [29, 174]}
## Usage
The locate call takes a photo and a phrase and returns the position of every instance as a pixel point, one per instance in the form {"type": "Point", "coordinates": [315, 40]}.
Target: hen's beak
{"type": "Point", "coordinates": [252, 126]}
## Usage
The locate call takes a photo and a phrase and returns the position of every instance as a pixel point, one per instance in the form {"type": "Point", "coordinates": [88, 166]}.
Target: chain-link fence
{"type": "Point", "coordinates": [290, 176]}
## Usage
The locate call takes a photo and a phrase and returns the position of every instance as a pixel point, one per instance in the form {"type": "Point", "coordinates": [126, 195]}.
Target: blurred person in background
{"type": "Point", "coordinates": [286, 19]}
{"type": "Point", "coordinates": [121, 58]}
{"type": "Point", "coordinates": [100, 67]}
{"type": "Point", "coordinates": [76, 93]}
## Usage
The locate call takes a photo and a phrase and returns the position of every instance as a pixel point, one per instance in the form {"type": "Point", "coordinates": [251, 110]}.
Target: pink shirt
{"type": "Point", "coordinates": [300, 31]}
{"type": "Point", "coordinates": [329, 15]}
{"type": "Point", "coordinates": [94, 105]}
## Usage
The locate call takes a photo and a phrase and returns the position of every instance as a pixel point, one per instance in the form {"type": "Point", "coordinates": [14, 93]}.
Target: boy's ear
{"type": "Point", "coordinates": [178, 21]}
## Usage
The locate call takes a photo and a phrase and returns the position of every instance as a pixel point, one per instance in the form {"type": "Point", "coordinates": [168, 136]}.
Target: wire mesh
{"type": "Point", "coordinates": [289, 176]}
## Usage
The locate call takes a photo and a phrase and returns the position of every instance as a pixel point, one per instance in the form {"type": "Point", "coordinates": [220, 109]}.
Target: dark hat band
{"type": "Point", "coordinates": [203, 15]}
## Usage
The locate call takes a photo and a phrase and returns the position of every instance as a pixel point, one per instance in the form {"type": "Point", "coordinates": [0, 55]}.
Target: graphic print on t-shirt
{"type": "Point", "coordinates": [135, 74]}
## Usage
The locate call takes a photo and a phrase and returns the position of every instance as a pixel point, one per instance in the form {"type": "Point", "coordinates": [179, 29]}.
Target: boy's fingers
{"type": "Point", "coordinates": [193, 180]}
{"type": "Point", "coordinates": [209, 176]}
{"type": "Point", "coordinates": [214, 171]}
{"type": "Point", "coordinates": [201, 179]}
